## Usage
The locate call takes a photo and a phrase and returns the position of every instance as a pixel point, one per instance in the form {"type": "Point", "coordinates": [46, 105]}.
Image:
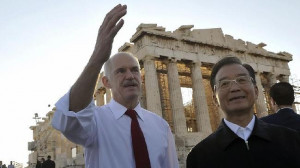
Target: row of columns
{"type": "Point", "coordinates": [153, 99]}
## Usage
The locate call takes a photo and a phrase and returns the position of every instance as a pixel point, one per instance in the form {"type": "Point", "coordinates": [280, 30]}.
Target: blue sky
{"type": "Point", "coordinates": [44, 45]}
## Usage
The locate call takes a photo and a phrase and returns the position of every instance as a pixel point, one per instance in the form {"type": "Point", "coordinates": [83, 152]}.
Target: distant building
{"type": "Point", "coordinates": [48, 141]}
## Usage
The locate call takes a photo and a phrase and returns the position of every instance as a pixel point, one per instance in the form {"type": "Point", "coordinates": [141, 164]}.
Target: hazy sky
{"type": "Point", "coordinates": [44, 45]}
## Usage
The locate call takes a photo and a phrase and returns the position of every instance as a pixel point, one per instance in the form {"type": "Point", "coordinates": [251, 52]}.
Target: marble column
{"type": "Point", "coordinates": [151, 86]}
{"type": "Point", "coordinates": [100, 97]}
{"type": "Point", "coordinates": [271, 78]}
{"type": "Point", "coordinates": [108, 95]}
{"type": "Point", "coordinates": [261, 106]}
{"type": "Point", "coordinates": [176, 99]}
{"type": "Point", "coordinates": [199, 97]}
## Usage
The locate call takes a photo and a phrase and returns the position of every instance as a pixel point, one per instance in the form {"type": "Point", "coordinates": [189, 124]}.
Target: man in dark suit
{"type": "Point", "coordinates": [282, 99]}
{"type": "Point", "coordinates": [241, 139]}
{"type": "Point", "coordinates": [48, 163]}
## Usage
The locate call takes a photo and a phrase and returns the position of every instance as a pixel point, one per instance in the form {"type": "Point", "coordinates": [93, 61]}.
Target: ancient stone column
{"type": "Point", "coordinates": [100, 97]}
{"type": "Point", "coordinates": [199, 97]}
{"type": "Point", "coordinates": [108, 95]}
{"type": "Point", "coordinates": [261, 106]}
{"type": "Point", "coordinates": [151, 86]}
{"type": "Point", "coordinates": [271, 78]}
{"type": "Point", "coordinates": [176, 99]}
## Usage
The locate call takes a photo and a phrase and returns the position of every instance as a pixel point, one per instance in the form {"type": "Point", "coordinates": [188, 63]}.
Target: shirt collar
{"type": "Point", "coordinates": [119, 110]}
{"type": "Point", "coordinates": [284, 108]}
{"type": "Point", "coordinates": [225, 136]}
{"type": "Point", "coordinates": [235, 127]}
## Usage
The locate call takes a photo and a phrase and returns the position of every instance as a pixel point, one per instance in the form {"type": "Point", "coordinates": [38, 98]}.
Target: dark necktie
{"type": "Point", "coordinates": [138, 142]}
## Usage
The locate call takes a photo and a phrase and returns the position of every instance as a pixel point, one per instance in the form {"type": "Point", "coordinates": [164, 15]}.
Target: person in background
{"type": "Point", "coordinates": [282, 98]}
{"type": "Point", "coordinates": [48, 163]}
{"type": "Point", "coordinates": [11, 165]}
{"type": "Point", "coordinates": [38, 164]}
{"type": "Point", "coordinates": [242, 140]}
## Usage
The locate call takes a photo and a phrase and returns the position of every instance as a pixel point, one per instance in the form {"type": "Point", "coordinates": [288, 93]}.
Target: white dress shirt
{"type": "Point", "coordinates": [105, 134]}
{"type": "Point", "coordinates": [242, 132]}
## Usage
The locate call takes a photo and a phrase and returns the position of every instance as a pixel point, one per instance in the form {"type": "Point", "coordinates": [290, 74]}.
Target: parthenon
{"type": "Point", "coordinates": [173, 63]}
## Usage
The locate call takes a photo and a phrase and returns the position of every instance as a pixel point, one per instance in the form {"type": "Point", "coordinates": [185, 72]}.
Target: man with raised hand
{"type": "Point", "coordinates": [120, 134]}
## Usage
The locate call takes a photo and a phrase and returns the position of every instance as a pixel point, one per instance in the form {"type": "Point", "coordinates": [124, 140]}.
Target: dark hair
{"type": "Point", "coordinates": [49, 157]}
{"type": "Point", "coordinates": [229, 61]}
{"type": "Point", "coordinates": [251, 72]}
{"type": "Point", "coordinates": [282, 93]}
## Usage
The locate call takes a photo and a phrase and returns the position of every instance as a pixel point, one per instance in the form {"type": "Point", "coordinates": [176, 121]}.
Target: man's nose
{"type": "Point", "coordinates": [129, 75]}
{"type": "Point", "coordinates": [234, 86]}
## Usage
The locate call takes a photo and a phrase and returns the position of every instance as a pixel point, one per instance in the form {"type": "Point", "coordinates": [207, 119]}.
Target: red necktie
{"type": "Point", "coordinates": [138, 142]}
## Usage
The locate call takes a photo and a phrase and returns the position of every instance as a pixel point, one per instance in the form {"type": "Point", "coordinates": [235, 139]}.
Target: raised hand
{"type": "Point", "coordinates": [111, 25]}
{"type": "Point", "coordinates": [82, 91]}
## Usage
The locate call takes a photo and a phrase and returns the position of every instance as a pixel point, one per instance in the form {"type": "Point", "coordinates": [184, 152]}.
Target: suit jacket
{"type": "Point", "coordinates": [48, 164]}
{"type": "Point", "coordinates": [285, 117]}
{"type": "Point", "coordinates": [268, 146]}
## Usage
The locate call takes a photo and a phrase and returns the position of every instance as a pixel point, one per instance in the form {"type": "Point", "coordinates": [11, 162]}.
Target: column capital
{"type": "Point", "coordinates": [173, 60]}
{"type": "Point", "coordinates": [258, 72]}
{"type": "Point", "coordinates": [198, 63]}
{"type": "Point", "coordinates": [100, 91]}
{"type": "Point", "coordinates": [149, 57]}
{"type": "Point", "coordinates": [271, 74]}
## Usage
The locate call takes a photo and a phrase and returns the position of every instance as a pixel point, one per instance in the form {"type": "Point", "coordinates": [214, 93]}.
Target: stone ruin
{"type": "Point", "coordinates": [173, 63]}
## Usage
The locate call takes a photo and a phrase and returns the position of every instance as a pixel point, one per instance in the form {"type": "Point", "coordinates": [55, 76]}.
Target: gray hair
{"type": "Point", "coordinates": [108, 63]}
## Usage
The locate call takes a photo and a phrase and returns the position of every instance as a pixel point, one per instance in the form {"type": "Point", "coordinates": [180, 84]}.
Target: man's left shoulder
{"type": "Point", "coordinates": [271, 118]}
{"type": "Point", "coordinates": [278, 130]}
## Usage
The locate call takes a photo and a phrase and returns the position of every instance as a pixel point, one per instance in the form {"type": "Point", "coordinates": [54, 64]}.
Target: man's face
{"type": "Point", "coordinates": [125, 78]}
{"type": "Point", "coordinates": [237, 98]}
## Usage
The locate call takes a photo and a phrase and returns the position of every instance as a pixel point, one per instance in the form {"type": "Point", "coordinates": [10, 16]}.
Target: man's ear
{"type": "Point", "coordinates": [272, 101]}
{"type": "Point", "coordinates": [256, 91]}
{"type": "Point", "coordinates": [215, 100]}
{"type": "Point", "coordinates": [106, 82]}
